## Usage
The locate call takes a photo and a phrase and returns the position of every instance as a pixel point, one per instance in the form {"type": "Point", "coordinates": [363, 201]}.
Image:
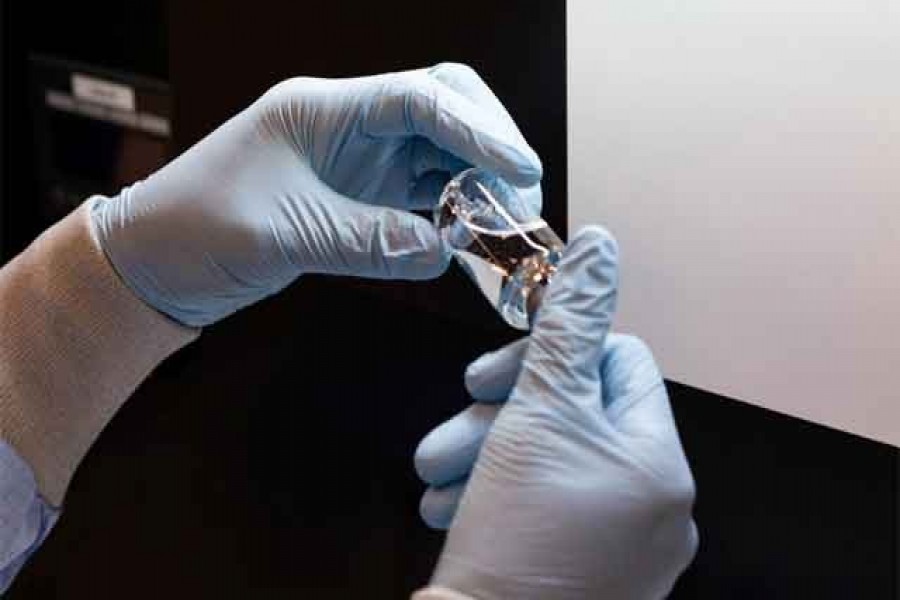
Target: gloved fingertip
{"type": "Point", "coordinates": [597, 240]}
{"type": "Point", "coordinates": [480, 380]}
{"type": "Point", "coordinates": [589, 268]}
{"type": "Point", "coordinates": [535, 168]}
{"type": "Point", "coordinates": [578, 309]}
{"type": "Point", "coordinates": [434, 459]}
{"type": "Point", "coordinates": [425, 460]}
{"type": "Point", "coordinates": [491, 377]}
{"type": "Point", "coordinates": [450, 450]}
{"type": "Point", "coordinates": [526, 170]}
{"type": "Point", "coordinates": [533, 197]}
{"type": "Point", "coordinates": [454, 72]}
{"type": "Point", "coordinates": [474, 373]}
{"type": "Point", "coordinates": [439, 504]}
{"type": "Point", "coordinates": [434, 516]}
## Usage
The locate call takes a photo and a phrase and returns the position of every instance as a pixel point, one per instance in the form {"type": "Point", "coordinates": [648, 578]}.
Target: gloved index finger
{"type": "Point", "coordinates": [492, 376]}
{"type": "Point", "coordinates": [449, 451]}
{"type": "Point", "coordinates": [467, 82]}
{"type": "Point", "coordinates": [417, 104]}
{"type": "Point", "coordinates": [563, 358]}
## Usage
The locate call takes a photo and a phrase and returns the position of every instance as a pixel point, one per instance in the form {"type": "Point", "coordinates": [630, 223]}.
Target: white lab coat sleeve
{"type": "Point", "coordinates": [439, 593]}
{"type": "Point", "coordinates": [75, 344]}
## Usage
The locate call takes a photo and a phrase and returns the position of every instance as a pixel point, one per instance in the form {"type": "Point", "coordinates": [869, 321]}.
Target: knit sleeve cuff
{"type": "Point", "coordinates": [76, 343]}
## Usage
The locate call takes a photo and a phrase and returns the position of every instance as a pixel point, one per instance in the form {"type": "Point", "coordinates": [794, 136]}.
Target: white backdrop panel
{"type": "Point", "coordinates": [746, 154]}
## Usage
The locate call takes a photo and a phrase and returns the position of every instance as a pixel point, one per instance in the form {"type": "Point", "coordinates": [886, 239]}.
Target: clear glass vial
{"type": "Point", "coordinates": [508, 251]}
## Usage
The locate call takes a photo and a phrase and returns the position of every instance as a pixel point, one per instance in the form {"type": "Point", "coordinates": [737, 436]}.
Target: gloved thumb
{"type": "Point", "coordinates": [566, 348]}
{"type": "Point", "coordinates": [363, 240]}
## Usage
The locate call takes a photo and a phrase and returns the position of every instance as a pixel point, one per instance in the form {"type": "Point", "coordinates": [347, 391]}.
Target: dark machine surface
{"type": "Point", "coordinates": [273, 458]}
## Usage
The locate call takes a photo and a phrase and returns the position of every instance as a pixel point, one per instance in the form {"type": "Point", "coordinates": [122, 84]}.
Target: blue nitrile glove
{"type": "Point", "coordinates": [316, 176]}
{"type": "Point", "coordinates": [577, 486]}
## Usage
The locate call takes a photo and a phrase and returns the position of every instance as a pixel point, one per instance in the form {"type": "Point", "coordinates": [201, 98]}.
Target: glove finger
{"type": "Point", "coordinates": [465, 80]}
{"type": "Point", "coordinates": [418, 104]}
{"type": "Point", "coordinates": [426, 159]}
{"type": "Point", "coordinates": [352, 238]}
{"type": "Point", "coordinates": [449, 451]}
{"type": "Point", "coordinates": [570, 329]}
{"type": "Point", "coordinates": [432, 168]}
{"type": "Point", "coordinates": [492, 376]}
{"type": "Point", "coordinates": [439, 504]}
{"type": "Point", "coordinates": [627, 368]}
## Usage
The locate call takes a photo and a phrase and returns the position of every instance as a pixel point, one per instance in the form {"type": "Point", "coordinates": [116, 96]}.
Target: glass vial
{"type": "Point", "coordinates": [508, 251]}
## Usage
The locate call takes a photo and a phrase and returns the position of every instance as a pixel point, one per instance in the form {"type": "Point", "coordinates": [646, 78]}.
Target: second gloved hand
{"type": "Point", "coordinates": [317, 176]}
{"type": "Point", "coordinates": [577, 487]}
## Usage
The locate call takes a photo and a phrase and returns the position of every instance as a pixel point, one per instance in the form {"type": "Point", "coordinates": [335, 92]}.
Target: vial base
{"type": "Point", "coordinates": [510, 274]}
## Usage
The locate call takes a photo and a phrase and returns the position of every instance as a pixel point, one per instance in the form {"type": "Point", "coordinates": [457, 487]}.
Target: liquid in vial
{"type": "Point", "coordinates": [509, 251]}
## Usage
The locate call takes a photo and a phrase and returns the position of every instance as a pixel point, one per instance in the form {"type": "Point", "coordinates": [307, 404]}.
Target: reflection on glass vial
{"type": "Point", "coordinates": [504, 247]}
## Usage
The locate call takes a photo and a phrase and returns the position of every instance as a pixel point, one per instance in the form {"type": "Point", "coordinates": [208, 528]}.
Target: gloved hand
{"type": "Point", "coordinates": [580, 488]}
{"type": "Point", "coordinates": [316, 176]}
